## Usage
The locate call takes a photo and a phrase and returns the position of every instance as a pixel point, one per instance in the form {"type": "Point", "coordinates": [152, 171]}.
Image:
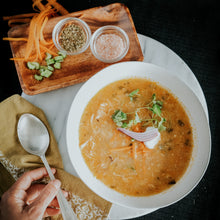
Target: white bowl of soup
{"type": "Point", "coordinates": [137, 96]}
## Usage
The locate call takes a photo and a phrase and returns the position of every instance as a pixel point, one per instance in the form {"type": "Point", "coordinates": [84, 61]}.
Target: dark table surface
{"type": "Point", "coordinates": [190, 29]}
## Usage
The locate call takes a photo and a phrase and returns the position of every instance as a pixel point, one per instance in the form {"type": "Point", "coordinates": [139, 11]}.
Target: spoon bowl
{"type": "Point", "coordinates": [33, 134]}
{"type": "Point", "coordinates": [34, 138]}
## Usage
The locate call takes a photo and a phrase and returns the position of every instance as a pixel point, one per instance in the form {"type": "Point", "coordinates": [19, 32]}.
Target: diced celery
{"type": "Point", "coordinates": [50, 68]}
{"type": "Point", "coordinates": [46, 73]}
{"type": "Point", "coordinates": [50, 61]}
{"type": "Point", "coordinates": [57, 65]}
{"type": "Point", "coordinates": [48, 56]}
{"type": "Point", "coordinates": [52, 64]}
{"type": "Point", "coordinates": [33, 65]}
{"type": "Point", "coordinates": [30, 66]}
{"type": "Point", "coordinates": [42, 68]}
{"type": "Point", "coordinates": [58, 58]}
{"type": "Point", "coordinates": [63, 54]}
{"type": "Point", "coordinates": [38, 77]}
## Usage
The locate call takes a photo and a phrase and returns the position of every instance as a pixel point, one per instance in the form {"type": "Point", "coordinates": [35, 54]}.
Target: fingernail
{"type": "Point", "coordinates": [53, 170]}
{"type": "Point", "coordinates": [65, 193]}
{"type": "Point", "coordinates": [57, 184]}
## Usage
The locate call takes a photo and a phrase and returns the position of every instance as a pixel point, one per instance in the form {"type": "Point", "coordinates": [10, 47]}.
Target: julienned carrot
{"type": "Point", "coordinates": [40, 24]}
{"type": "Point", "coordinates": [134, 150]}
{"type": "Point", "coordinates": [58, 7]}
{"type": "Point", "coordinates": [31, 36]}
{"type": "Point", "coordinates": [45, 49]}
{"type": "Point", "coordinates": [13, 22]}
{"type": "Point", "coordinates": [39, 7]}
{"type": "Point", "coordinates": [15, 39]}
{"type": "Point", "coordinates": [143, 147]}
{"type": "Point", "coordinates": [17, 58]}
{"type": "Point", "coordinates": [137, 148]}
{"type": "Point", "coordinates": [120, 149]}
{"type": "Point", "coordinates": [137, 128]}
{"type": "Point", "coordinates": [18, 19]}
{"type": "Point", "coordinates": [144, 161]}
{"type": "Point", "coordinates": [36, 44]}
{"type": "Point", "coordinates": [42, 40]}
{"type": "Point", "coordinates": [28, 15]}
{"type": "Point", "coordinates": [38, 4]}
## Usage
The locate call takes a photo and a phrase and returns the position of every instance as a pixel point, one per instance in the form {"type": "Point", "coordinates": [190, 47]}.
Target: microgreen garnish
{"type": "Point", "coordinates": [156, 106]}
{"type": "Point", "coordinates": [161, 127]}
{"type": "Point", "coordinates": [118, 117]}
{"type": "Point", "coordinates": [156, 109]}
{"type": "Point", "coordinates": [137, 118]}
{"type": "Point", "coordinates": [156, 120]}
{"type": "Point", "coordinates": [133, 94]}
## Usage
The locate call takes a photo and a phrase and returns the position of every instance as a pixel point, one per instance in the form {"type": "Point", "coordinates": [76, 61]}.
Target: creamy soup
{"type": "Point", "coordinates": [123, 163]}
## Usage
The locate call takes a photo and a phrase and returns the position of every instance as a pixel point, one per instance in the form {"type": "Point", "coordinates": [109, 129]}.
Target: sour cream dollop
{"type": "Point", "coordinates": [152, 143]}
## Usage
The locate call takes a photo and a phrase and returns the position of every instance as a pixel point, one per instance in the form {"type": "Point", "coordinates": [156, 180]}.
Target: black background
{"type": "Point", "coordinates": [190, 29]}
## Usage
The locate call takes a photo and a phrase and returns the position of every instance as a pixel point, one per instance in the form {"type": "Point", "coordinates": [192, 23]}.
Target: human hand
{"type": "Point", "coordinates": [25, 201]}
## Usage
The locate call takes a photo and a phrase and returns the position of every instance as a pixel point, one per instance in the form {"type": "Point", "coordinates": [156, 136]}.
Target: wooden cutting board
{"type": "Point", "coordinates": [77, 68]}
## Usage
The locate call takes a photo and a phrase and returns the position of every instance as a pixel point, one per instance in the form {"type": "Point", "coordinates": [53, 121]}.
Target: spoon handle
{"type": "Point", "coordinates": [66, 210]}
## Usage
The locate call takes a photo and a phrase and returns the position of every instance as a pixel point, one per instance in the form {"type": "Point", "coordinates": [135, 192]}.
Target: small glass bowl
{"type": "Point", "coordinates": [109, 44]}
{"type": "Point", "coordinates": [61, 25]}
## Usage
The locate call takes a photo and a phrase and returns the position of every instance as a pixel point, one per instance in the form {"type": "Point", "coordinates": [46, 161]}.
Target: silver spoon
{"type": "Point", "coordinates": [34, 138]}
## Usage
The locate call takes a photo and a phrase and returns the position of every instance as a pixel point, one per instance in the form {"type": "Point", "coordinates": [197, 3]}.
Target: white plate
{"type": "Point", "coordinates": [202, 139]}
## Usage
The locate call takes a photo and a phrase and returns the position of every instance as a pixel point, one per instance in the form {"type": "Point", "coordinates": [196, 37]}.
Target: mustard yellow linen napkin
{"type": "Point", "coordinates": [14, 161]}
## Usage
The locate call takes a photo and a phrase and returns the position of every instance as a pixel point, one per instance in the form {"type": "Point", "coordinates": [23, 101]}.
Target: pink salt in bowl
{"type": "Point", "coordinates": [109, 44]}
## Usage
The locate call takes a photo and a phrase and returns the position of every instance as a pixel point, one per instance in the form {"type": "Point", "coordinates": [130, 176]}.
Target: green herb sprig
{"type": "Point", "coordinates": [156, 106]}
{"type": "Point", "coordinates": [133, 94]}
{"type": "Point", "coordinates": [120, 117]}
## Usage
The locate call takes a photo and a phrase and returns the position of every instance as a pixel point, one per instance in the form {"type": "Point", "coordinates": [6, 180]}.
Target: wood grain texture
{"type": "Point", "coordinates": [77, 68]}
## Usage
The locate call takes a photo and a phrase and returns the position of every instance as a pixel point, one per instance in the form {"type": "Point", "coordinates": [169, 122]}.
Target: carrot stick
{"type": "Point", "coordinates": [42, 21]}
{"type": "Point", "coordinates": [137, 127]}
{"type": "Point", "coordinates": [32, 58]}
{"type": "Point", "coordinates": [58, 7]}
{"type": "Point", "coordinates": [120, 149]}
{"type": "Point", "coordinates": [17, 21]}
{"type": "Point", "coordinates": [39, 28]}
{"type": "Point", "coordinates": [134, 154]}
{"type": "Point", "coordinates": [15, 39]}
{"type": "Point", "coordinates": [52, 45]}
{"type": "Point", "coordinates": [134, 151]}
{"type": "Point", "coordinates": [48, 50]}
{"type": "Point", "coordinates": [36, 45]}
{"type": "Point", "coordinates": [38, 4]}
{"type": "Point", "coordinates": [31, 38]}
{"type": "Point", "coordinates": [43, 41]}
{"type": "Point", "coordinates": [144, 162]}
{"type": "Point", "coordinates": [28, 15]}
{"type": "Point", "coordinates": [17, 58]}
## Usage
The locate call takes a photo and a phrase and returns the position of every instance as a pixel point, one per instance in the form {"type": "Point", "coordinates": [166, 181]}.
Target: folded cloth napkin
{"type": "Point", "coordinates": [14, 161]}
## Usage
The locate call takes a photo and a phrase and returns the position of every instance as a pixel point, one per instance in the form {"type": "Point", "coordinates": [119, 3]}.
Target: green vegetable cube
{"type": "Point", "coordinates": [33, 65]}
{"type": "Point", "coordinates": [46, 73]}
{"type": "Point", "coordinates": [37, 77]}
{"type": "Point", "coordinates": [58, 58]}
{"type": "Point", "coordinates": [63, 54]}
{"type": "Point", "coordinates": [48, 56]}
{"type": "Point", "coordinates": [50, 61]}
{"type": "Point", "coordinates": [57, 65]}
{"type": "Point", "coordinates": [50, 68]}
